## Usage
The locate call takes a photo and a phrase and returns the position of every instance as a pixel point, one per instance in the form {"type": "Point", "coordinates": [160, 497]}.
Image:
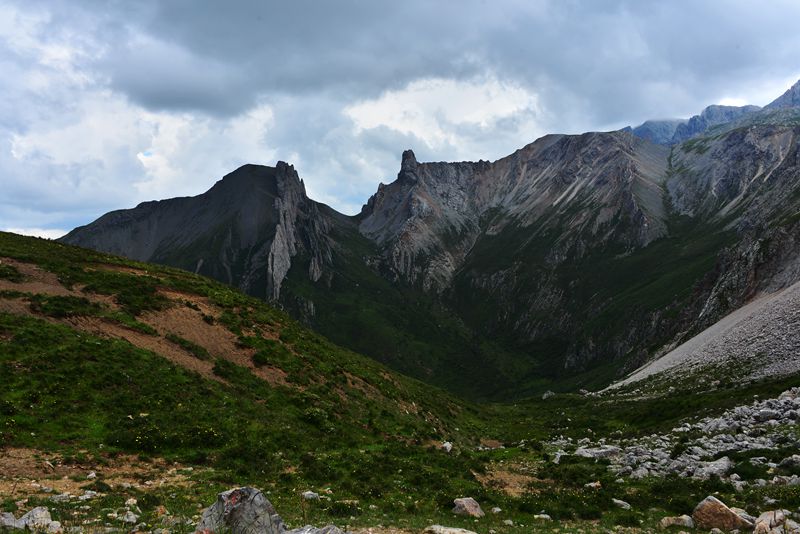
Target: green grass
{"type": "Point", "coordinates": [10, 273]}
{"type": "Point", "coordinates": [342, 422]}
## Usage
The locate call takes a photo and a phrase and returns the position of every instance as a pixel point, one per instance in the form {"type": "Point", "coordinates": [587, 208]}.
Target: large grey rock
{"type": "Point", "coordinates": [684, 521]}
{"type": "Point", "coordinates": [308, 529]}
{"type": "Point", "coordinates": [38, 519]}
{"type": "Point", "coordinates": [621, 504]}
{"type": "Point", "coordinates": [439, 529]}
{"type": "Point", "coordinates": [769, 520]}
{"type": "Point", "coordinates": [241, 511]}
{"type": "Point", "coordinates": [467, 506]}
{"type": "Point", "coordinates": [605, 451]}
{"type": "Point", "coordinates": [717, 468]}
{"type": "Point", "coordinates": [247, 511]}
{"type": "Point", "coordinates": [8, 520]}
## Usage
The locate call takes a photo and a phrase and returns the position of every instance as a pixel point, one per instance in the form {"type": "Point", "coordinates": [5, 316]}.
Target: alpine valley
{"type": "Point", "coordinates": [564, 265]}
{"type": "Point", "coordinates": [624, 305]}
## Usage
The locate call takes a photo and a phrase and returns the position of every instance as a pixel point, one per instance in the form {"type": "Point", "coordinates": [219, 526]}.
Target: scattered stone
{"type": "Point", "coordinates": [439, 529]}
{"type": "Point", "coordinates": [308, 529]}
{"type": "Point", "coordinates": [37, 520]}
{"type": "Point", "coordinates": [496, 510]}
{"type": "Point", "coordinates": [310, 496]}
{"type": "Point", "coordinates": [447, 446]}
{"type": "Point", "coordinates": [543, 517]}
{"type": "Point", "coordinates": [593, 485]}
{"type": "Point", "coordinates": [605, 451]}
{"type": "Point", "coordinates": [677, 521]}
{"type": "Point", "coordinates": [91, 476]}
{"type": "Point", "coordinates": [640, 472]}
{"type": "Point", "coordinates": [717, 468]}
{"type": "Point", "coordinates": [791, 461]}
{"type": "Point", "coordinates": [508, 522]}
{"type": "Point", "coordinates": [467, 506]}
{"type": "Point", "coordinates": [87, 495]}
{"type": "Point", "coordinates": [712, 513]}
{"type": "Point", "coordinates": [547, 394]}
{"type": "Point", "coordinates": [621, 504]}
{"type": "Point", "coordinates": [743, 514]}
{"type": "Point", "coordinates": [129, 517]}
{"type": "Point", "coordinates": [769, 520]}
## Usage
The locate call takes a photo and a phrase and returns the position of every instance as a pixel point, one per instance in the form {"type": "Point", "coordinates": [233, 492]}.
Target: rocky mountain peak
{"type": "Point", "coordinates": [409, 161]}
{"type": "Point", "coordinates": [789, 99]}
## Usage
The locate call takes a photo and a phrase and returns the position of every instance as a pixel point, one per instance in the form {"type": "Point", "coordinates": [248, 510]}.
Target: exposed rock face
{"type": "Point", "coordinates": [246, 230]}
{"type": "Point", "coordinates": [573, 251]}
{"type": "Point", "coordinates": [709, 117]}
{"type": "Point", "coordinates": [241, 511]}
{"type": "Point", "coordinates": [660, 132]}
{"type": "Point", "coordinates": [430, 218]}
{"type": "Point", "coordinates": [789, 99]}
{"type": "Point", "coordinates": [247, 511]}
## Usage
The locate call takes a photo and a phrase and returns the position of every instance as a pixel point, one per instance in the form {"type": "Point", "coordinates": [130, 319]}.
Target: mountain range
{"type": "Point", "coordinates": [566, 264]}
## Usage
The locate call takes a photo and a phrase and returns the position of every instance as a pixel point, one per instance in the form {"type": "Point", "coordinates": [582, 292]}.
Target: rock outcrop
{"type": "Point", "coordinates": [708, 118]}
{"type": "Point", "coordinates": [247, 511]}
{"type": "Point", "coordinates": [573, 252]}
{"type": "Point", "coordinates": [712, 513]}
{"type": "Point", "coordinates": [246, 231]}
{"type": "Point", "coordinates": [467, 506]}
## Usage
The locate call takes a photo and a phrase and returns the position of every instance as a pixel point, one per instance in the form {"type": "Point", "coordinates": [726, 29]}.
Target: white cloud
{"type": "Point", "coordinates": [49, 233]}
{"type": "Point", "coordinates": [446, 113]}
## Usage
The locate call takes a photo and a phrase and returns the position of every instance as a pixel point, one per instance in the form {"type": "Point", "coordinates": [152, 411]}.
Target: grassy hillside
{"type": "Point", "coordinates": [172, 387]}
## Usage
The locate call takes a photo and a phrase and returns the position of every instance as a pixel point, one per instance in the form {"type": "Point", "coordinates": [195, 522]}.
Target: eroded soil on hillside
{"type": "Point", "coordinates": [27, 472]}
{"type": "Point", "coordinates": [188, 316]}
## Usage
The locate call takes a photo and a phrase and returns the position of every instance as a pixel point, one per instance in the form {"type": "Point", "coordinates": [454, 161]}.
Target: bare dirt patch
{"type": "Point", "coordinates": [511, 479]}
{"type": "Point", "coordinates": [37, 280]}
{"type": "Point", "coordinates": [179, 319]}
{"type": "Point", "coordinates": [215, 338]}
{"type": "Point", "coordinates": [15, 306]}
{"type": "Point", "coordinates": [25, 472]}
{"type": "Point", "coordinates": [157, 344]}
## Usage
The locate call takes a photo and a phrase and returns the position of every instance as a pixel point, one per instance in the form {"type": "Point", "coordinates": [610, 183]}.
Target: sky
{"type": "Point", "coordinates": [108, 103]}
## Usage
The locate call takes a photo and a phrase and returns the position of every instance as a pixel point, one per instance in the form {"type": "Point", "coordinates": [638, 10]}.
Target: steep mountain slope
{"type": "Point", "coordinates": [564, 264]}
{"type": "Point", "coordinates": [759, 340]}
{"type": "Point", "coordinates": [244, 231]}
{"type": "Point", "coordinates": [658, 131]}
{"type": "Point", "coordinates": [708, 118]}
{"type": "Point", "coordinates": [789, 99]}
{"type": "Point", "coordinates": [673, 131]}
{"type": "Point", "coordinates": [429, 219]}
{"type": "Point", "coordinates": [134, 393]}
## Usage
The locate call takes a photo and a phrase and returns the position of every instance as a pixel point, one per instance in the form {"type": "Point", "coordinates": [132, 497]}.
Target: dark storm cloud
{"type": "Point", "coordinates": [608, 59]}
{"type": "Point", "coordinates": [90, 86]}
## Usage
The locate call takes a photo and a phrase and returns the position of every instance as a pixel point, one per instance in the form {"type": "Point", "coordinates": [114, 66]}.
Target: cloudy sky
{"type": "Point", "coordinates": [104, 104]}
